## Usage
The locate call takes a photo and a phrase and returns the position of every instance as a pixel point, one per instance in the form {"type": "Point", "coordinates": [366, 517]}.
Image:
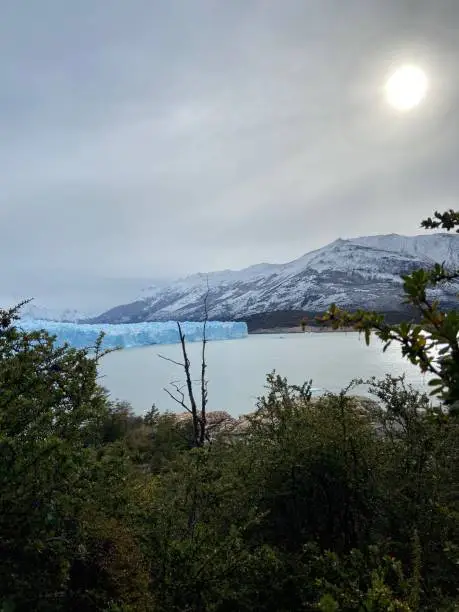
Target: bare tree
{"type": "Point", "coordinates": [204, 392]}
{"type": "Point", "coordinates": [198, 413]}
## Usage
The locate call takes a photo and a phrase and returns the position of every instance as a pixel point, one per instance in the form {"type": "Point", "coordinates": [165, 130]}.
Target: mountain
{"type": "Point", "coordinates": [68, 315]}
{"type": "Point", "coordinates": [356, 273]}
{"type": "Point", "coordinates": [433, 248]}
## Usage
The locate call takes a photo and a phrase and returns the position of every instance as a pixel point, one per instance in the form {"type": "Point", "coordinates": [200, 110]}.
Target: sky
{"type": "Point", "coordinates": [153, 139]}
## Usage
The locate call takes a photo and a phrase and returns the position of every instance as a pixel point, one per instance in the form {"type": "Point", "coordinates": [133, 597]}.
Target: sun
{"type": "Point", "coordinates": [406, 88]}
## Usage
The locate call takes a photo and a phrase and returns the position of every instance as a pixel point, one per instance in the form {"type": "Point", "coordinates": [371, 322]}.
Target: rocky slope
{"type": "Point", "coordinates": [361, 272]}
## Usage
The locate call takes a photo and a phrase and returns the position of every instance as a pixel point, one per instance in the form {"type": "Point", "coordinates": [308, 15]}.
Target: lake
{"type": "Point", "coordinates": [237, 368]}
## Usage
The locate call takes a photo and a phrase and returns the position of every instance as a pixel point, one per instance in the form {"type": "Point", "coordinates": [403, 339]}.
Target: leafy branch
{"type": "Point", "coordinates": [432, 344]}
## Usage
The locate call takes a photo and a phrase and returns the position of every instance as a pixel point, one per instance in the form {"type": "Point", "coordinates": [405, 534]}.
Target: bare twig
{"type": "Point", "coordinates": [179, 363]}
{"type": "Point", "coordinates": [178, 389]}
{"type": "Point", "coordinates": [180, 401]}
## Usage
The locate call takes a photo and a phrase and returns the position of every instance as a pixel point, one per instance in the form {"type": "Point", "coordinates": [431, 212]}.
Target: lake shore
{"type": "Point", "coordinates": [299, 330]}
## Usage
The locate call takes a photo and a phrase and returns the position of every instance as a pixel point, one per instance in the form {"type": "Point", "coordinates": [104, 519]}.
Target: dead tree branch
{"type": "Point", "coordinates": [180, 400]}
{"type": "Point", "coordinates": [189, 384]}
{"type": "Point", "coordinates": [179, 363]}
{"type": "Point", "coordinates": [198, 412]}
{"type": "Point", "coordinates": [204, 393]}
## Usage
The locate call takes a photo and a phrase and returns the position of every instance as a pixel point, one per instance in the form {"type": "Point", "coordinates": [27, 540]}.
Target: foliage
{"type": "Point", "coordinates": [330, 503]}
{"type": "Point", "coordinates": [363, 582]}
{"type": "Point", "coordinates": [447, 220]}
{"type": "Point", "coordinates": [432, 344]}
{"type": "Point", "coordinates": [53, 467]}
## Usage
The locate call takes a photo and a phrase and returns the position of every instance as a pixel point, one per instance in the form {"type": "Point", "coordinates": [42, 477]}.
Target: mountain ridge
{"type": "Point", "coordinates": [36, 311]}
{"type": "Point", "coordinates": [362, 272]}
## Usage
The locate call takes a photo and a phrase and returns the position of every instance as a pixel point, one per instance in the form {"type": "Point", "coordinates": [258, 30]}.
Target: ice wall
{"type": "Point", "coordinates": [134, 334]}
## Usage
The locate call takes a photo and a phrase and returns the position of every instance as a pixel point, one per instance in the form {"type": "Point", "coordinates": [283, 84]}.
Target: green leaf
{"type": "Point", "coordinates": [435, 382]}
{"type": "Point", "coordinates": [367, 336]}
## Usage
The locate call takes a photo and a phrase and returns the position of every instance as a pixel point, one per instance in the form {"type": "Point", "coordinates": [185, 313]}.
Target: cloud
{"type": "Point", "coordinates": [150, 139]}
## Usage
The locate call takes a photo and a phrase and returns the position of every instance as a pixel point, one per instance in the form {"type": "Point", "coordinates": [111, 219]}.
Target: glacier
{"type": "Point", "coordinates": [128, 335]}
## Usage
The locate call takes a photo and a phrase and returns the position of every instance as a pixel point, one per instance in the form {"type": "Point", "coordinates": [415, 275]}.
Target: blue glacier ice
{"type": "Point", "coordinates": [125, 335]}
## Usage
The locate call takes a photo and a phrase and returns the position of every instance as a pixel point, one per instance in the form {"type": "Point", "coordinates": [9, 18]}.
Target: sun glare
{"type": "Point", "coordinates": [406, 88]}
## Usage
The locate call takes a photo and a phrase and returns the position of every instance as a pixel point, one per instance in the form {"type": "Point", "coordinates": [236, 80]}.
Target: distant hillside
{"type": "Point", "coordinates": [284, 319]}
{"type": "Point", "coordinates": [359, 273]}
{"type": "Point", "coordinates": [33, 310]}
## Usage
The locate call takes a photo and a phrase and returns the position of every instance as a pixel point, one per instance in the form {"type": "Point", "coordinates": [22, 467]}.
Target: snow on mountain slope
{"type": "Point", "coordinates": [362, 272]}
{"type": "Point", "coordinates": [430, 247]}
{"type": "Point", "coordinates": [38, 312]}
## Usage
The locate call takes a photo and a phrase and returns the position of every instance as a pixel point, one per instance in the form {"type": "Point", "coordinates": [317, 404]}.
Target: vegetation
{"type": "Point", "coordinates": [433, 343]}
{"type": "Point", "coordinates": [327, 503]}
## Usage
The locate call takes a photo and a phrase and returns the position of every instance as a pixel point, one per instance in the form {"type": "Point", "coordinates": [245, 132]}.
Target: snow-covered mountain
{"type": "Point", "coordinates": [37, 311]}
{"type": "Point", "coordinates": [360, 272]}
{"type": "Point", "coordinates": [436, 248]}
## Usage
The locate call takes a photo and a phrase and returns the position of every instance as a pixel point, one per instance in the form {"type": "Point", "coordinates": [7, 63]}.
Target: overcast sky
{"type": "Point", "coordinates": [148, 138]}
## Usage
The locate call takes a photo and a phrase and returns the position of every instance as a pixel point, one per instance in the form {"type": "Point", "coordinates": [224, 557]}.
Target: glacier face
{"type": "Point", "coordinates": [356, 273]}
{"type": "Point", "coordinates": [80, 335]}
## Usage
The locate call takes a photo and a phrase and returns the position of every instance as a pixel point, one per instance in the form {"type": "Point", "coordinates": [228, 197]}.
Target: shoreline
{"type": "Point", "coordinates": [299, 330]}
